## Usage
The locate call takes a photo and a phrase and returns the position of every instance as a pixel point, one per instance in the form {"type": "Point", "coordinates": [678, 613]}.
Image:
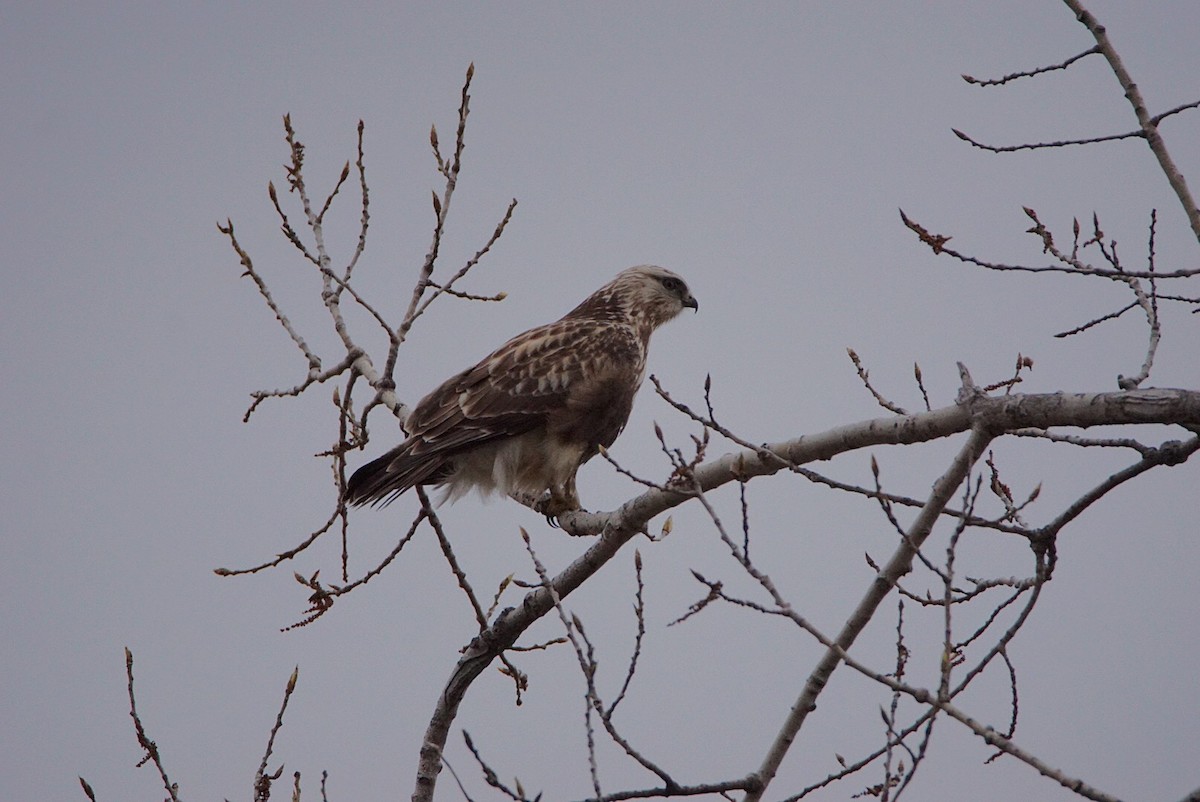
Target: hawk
{"type": "Point", "coordinates": [524, 419]}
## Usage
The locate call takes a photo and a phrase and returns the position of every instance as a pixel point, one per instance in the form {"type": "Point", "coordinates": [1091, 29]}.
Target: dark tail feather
{"type": "Point", "coordinates": [371, 483]}
{"type": "Point", "coordinates": [381, 480]}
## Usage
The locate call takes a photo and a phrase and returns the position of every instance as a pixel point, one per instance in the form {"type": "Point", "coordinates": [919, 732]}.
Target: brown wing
{"type": "Point", "coordinates": [564, 372]}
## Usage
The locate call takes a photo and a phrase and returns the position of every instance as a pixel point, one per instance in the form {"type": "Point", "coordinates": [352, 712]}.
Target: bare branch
{"type": "Point", "coordinates": [1098, 320]}
{"type": "Point", "coordinates": [866, 380]}
{"type": "Point", "coordinates": [450, 170]}
{"type": "Point", "coordinates": [262, 780]}
{"type": "Point", "coordinates": [144, 741]}
{"type": "Point", "coordinates": [283, 556]}
{"type": "Point", "coordinates": [474, 260]}
{"type": "Point", "coordinates": [1058, 143]}
{"type": "Point", "coordinates": [364, 205]}
{"type": "Point", "coordinates": [342, 285]}
{"type": "Point", "coordinates": [490, 776]}
{"type": "Point", "coordinates": [1147, 123]}
{"type": "Point", "coordinates": [1063, 143]}
{"type": "Point", "coordinates": [1149, 304]}
{"type": "Point", "coordinates": [1084, 442]}
{"type": "Point", "coordinates": [451, 560]}
{"type": "Point", "coordinates": [572, 625]}
{"type": "Point", "coordinates": [322, 598]}
{"type": "Point", "coordinates": [639, 610]}
{"type": "Point", "coordinates": [898, 566]}
{"type": "Point", "coordinates": [1173, 452]}
{"type": "Point", "coordinates": [993, 738]}
{"type": "Point", "coordinates": [937, 243]}
{"type": "Point", "coordinates": [314, 362]}
{"type": "Point", "coordinates": [1029, 74]}
{"type": "Point", "coordinates": [921, 386]}
{"type": "Point", "coordinates": [703, 789]}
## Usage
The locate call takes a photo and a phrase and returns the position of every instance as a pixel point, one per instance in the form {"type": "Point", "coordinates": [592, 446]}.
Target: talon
{"type": "Point", "coordinates": [550, 508]}
{"type": "Point", "coordinates": [553, 504]}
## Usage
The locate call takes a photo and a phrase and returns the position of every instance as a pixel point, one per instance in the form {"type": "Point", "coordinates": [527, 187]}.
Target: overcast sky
{"type": "Point", "coordinates": [762, 152]}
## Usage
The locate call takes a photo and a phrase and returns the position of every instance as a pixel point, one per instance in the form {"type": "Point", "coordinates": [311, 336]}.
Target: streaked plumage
{"type": "Point", "coordinates": [524, 419]}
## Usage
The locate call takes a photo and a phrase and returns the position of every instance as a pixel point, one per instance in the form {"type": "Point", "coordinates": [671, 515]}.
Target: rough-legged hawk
{"type": "Point", "coordinates": [524, 419]}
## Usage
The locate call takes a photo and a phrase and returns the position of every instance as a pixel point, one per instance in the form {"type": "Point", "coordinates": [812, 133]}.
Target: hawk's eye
{"type": "Point", "coordinates": [671, 283]}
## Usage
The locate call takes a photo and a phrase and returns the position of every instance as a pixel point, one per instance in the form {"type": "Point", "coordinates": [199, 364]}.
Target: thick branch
{"type": "Point", "coordinates": [982, 414]}
{"type": "Point", "coordinates": [899, 565]}
{"type": "Point", "coordinates": [995, 413]}
{"type": "Point", "coordinates": [1146, 122]}
{"type": "Point", "coordinates": [510, 625]}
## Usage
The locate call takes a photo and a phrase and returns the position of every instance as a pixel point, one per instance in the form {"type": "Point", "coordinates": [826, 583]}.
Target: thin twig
{"type": "Point", "coordinates": [574, 631]}
{"type": "Point", "coordinates": [639, 611]}
{"type": "Point", "coordinates": [314, 362]}
{"type": "Point", "coordinates": [1030, 73]}
{"type": "Point", "coordinates": [284, 556]}
{"type": "Point", "coordinates": [898, 566]}
{"type": "Point", "coordinates": [864, 377]}
{"type": "Point", "coordinates": [448, 552]}
{"type": "Point", "coordinates": [938, 243]}
{"type": "Point", "coordinates": [152, 754]}
{"type": "Point", "coordinates": [262, 780]}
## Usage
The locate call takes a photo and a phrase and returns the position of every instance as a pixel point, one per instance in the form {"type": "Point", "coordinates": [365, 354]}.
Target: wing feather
{"type": "Point", "coordinates": [514, 388]}
{"type": "Point", "coordinates": [572, 367]}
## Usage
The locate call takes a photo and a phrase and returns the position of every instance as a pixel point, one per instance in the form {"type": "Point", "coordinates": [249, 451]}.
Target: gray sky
{"type": "Point", "coordinates": [763, 154]}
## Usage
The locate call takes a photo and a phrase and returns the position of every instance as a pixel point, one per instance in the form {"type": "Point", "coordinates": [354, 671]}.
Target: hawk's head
{"type": "Point", "coordinates": [646, 294]}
